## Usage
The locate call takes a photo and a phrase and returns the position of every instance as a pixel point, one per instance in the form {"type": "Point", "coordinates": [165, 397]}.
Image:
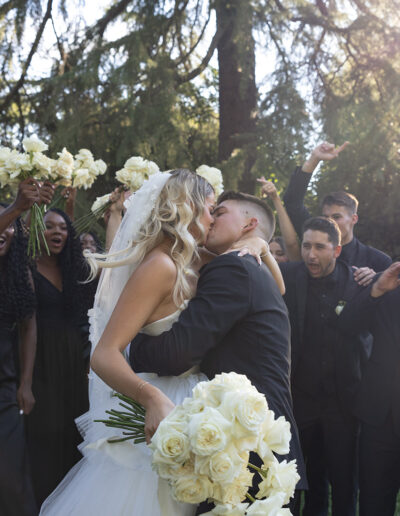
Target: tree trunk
{"type": "Point", "coordinates": [237, 87]}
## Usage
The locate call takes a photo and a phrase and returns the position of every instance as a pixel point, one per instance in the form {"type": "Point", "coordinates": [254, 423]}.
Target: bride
{"type": "Point", "coordinates": [149, 273]}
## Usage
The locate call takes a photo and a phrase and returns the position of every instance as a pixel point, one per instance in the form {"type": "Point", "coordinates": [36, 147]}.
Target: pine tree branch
{"type": "Point", "coordinates": [99, 28]}
{"type": "Point", "coordinates": [180, 79]}
{"type": "Point", "coordinates": [14, 91]}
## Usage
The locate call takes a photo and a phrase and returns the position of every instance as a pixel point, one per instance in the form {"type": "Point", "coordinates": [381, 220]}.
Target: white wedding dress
{"type": "Point", "coordinates": [117, 479]}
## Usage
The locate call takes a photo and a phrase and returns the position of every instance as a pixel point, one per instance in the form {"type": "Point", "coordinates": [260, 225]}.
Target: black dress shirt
{"type": "Point", "coordinates": [316, 370]}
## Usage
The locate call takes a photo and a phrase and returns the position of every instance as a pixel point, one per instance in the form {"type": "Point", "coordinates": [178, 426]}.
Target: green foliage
{"type": "Point", "coordinates": [148, 89]}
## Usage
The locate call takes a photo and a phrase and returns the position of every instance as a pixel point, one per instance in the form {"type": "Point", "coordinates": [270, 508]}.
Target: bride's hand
{"type": "Point", "coordinates": [157, 406]}
{"type": "Point", "coordinates": [255, 246]}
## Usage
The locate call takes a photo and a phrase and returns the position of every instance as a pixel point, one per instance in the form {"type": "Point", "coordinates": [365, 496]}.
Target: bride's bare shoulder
{"type": "Point", "coordinates": [160, 263]}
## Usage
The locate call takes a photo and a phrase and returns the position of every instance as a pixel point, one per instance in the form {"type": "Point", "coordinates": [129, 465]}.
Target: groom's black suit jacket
{"type": "Point", "coordinates": [236, 322]}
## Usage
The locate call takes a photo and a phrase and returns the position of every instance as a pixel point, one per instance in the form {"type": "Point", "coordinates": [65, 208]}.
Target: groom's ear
{"type": "Point", "coordinates": [250, 225]}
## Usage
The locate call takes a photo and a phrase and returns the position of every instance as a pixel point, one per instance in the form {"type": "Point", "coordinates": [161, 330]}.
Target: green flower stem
{"type": "Point", "coordinates": [256, 468]}
{"type": "Point", "coordinates": [251, 498]}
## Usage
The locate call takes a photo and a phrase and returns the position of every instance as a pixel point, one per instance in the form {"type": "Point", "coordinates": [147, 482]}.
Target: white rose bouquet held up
{"type": "Point", "coordinates": [16, 167]}
{"type": "Point", "coordinates": [136, 170]}
{"type": "Point", "coordinates": [202, 447]}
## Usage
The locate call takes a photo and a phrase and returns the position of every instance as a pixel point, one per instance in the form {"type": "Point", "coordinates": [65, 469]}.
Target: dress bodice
{"type": "Point", "coordinates": [164, 324]}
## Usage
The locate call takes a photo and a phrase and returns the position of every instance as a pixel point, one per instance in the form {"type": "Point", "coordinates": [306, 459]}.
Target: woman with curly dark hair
{"type": "Point", "coordinates": [17, 323]}
{"type": "Point", "coordinates": [60, 374]}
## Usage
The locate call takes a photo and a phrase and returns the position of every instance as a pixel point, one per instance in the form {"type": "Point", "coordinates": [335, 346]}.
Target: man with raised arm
{"type": "Point", "coordinates": [340, 206]}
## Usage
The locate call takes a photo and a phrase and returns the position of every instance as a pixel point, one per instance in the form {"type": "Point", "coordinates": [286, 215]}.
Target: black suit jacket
{"type": "Point", "coordinates": [379, 392]}
{"type": "Point", "coordinates": [353, 349]}
{"type": "Point", "coordinates": [360, 255]}
{"type": "Point", "coordinates": [236, 322]}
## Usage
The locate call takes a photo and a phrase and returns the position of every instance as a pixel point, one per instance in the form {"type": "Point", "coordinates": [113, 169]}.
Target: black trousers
{"type": "Point", "coordinates": [379, 469]}
{"type": "Point", "coordinates": [329, 440]}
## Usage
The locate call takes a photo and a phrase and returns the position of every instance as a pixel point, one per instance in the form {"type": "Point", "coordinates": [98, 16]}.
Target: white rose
{"type": "Point", "coordinates": [142, 166]}
{"type": "Point", "coordinates": [228, 510]}
{"type": "Point", "coordinates": [274, 437]}
{"type": "Point", "coordinates": [192, 489]}
{"type": "Point", "coordinates": [170, 444]}
{"type": "Point", "coordinates": [133, 180]}
{"type": "Point", "coordinates": [235, 492]}
{"type": "Point", "coordinates": [100, 167]}
{"type": "Point", "coordinates": [81, 178]}
{"type": "Point", "coordinates": [172, 472]}
{"type": "Point", "coordinates": [281, 478]}
{"type": "Point", "coordinates": [208, 393]}
{"type": "Point", "coordinates": [193, 406]}
{"type": "Point", "coordinates": [64, 166]}
{"type": "Point", "coordinates": [43, 164]}
{"type": "Point", "coordinates": [84, 155]}
{"type": "Point", "coordinates": [100, 202]}
{"type": "Point", "coordinates": [208, 432]}
{"type": "Point", "coordinates": [33, 144]}
{"type": "Point", "coordinates": [4, 177]}
{"type": "Point", "coordinates": [178, 418]}
{"type": "Point", "coordinates": [269, 507]}
{"type": "Point", "coordinates": [135, 164]}
{"type": "Point", "coordinates": [213, 176]}
{"type": "Point", "coordinates": [16, 163]}
{"type": "Point", "coordinates": [5, 153]}
{"type": "Point", "coordinates": [248, 408]}
{"type": "Point", "coordinates": [223, 467]}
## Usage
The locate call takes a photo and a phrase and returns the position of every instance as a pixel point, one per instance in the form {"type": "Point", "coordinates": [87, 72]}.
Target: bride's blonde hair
{"type": "Point", "coordinates": [176, 215]}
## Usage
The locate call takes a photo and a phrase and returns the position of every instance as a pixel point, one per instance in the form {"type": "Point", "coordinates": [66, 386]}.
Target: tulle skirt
{"type": "Point", "coordinates": [117, 479]}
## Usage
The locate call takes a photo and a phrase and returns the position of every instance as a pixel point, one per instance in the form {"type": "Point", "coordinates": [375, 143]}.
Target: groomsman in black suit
{"type": "Point", "coordinates": [326, 367]}
{"type": "Point", "coordinates": [237, 320]}
{"type": "Point", "coordinates": [340, 206]}
{"type": "Point", "coordinates": [378, 399]}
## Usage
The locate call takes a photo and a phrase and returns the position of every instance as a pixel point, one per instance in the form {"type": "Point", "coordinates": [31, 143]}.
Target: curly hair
{"type": "Point", "coordinates": [176, 214]}
{"type": "Point", "coordinates": [16, 288]}
{"type": "Point", "coordinates": [78, 296]}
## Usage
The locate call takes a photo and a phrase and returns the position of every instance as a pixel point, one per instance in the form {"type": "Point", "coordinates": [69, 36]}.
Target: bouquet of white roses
{"type": "Point", "coordinates": [64, 171]}
{"type": "Point", "coordinates": [135, 171]}
{"type": "Point", "coordinates": [202, 447]}
{"type": "Point", "coordinates": [16, 167]}
{"type": "Point", "coordinates": [132, 176]}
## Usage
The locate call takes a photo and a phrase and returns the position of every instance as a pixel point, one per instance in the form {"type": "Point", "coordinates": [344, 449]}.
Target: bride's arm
{"type": "Point", "coordinates": [148, 286]}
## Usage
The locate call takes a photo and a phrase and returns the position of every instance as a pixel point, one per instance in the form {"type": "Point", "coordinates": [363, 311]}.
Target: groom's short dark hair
{"type": "Point", "coordinates": [262, 208]}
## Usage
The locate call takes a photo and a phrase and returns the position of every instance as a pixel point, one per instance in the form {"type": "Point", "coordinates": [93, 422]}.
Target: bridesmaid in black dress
{"type": "Point", "coordinates": [17, 323]}
{"type": "Point", "coordinates": [60, 374]}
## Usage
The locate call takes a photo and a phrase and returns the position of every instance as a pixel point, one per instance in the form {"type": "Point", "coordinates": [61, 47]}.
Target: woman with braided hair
{"type": "Point", "coordinates": [60, 373]}
{"type": "Point", "coordinates": [17, 323]}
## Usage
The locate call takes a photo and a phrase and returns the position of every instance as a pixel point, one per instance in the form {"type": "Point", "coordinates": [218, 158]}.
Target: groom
{"type": "Point", "coordinates": [236, 322]}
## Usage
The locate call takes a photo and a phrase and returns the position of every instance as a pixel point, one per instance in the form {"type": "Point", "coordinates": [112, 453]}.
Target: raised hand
{"type": "Point", "coordinates": [268, 188]}
{"type": "Point", "coordinates": [327, 151]}
{"type": "Point", "coordinates": [46, 192]}
{"type": "Point", "coordinates": [387, 281]}
{"type": "Point", "coordinates": [323, 152]}
{"type": "Point", "coordinates": [27, 195]}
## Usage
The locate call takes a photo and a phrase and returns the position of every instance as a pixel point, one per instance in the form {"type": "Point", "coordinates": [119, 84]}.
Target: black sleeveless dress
{"type": "Point", "coordinates": [60, 387]}
{"type": "Point", "coordinates": [16, 493]}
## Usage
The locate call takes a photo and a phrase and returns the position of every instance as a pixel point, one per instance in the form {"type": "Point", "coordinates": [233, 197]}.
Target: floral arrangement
{"type": "Point", "coordinates": [202, 447]}
{"type": "Point", "coordinates": [213, 176]}
{"type": "Point", "coordinates": [16, 166]}
{"type": "Point", "coordinates": [135, 171]}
